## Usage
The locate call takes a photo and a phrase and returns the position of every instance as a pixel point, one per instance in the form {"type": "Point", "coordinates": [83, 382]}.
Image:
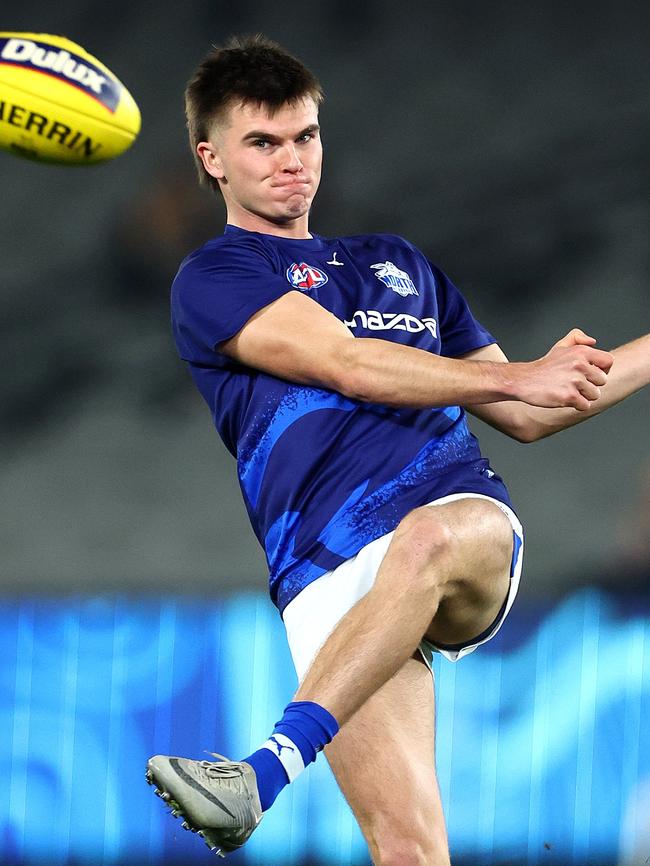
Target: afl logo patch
{"type": "Point", "coordinates": [305, 277]}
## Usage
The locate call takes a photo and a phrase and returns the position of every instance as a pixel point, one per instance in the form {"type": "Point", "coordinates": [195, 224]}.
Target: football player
{"type": "Point", "coordinates": [339, 372]}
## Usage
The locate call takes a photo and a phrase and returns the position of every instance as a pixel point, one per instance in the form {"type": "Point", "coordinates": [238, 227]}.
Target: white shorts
{"type": "Point", "coordinates": [313, 614]}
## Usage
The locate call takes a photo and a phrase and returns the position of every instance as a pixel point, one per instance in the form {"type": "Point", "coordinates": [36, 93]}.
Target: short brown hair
{"type": "Point", "coordinates": [250, 69]}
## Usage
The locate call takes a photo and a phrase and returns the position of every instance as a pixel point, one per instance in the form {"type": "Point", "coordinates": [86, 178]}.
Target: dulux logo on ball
{"type": "Point", "coordinates": [62, 64]}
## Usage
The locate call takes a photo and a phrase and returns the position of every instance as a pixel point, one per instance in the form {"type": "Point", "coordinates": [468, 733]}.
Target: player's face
{"type": "Point", "coordinates": [268, 166]}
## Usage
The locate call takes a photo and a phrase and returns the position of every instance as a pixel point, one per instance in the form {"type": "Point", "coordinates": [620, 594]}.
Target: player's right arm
{"type": "Point", "coordinates": [296, 339]}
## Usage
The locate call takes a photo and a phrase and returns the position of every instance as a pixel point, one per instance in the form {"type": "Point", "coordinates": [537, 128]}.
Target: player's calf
{"type": "Point", "coordinates": [412, 841]}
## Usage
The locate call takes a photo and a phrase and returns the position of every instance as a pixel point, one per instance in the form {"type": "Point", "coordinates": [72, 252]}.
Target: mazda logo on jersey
{"type": "Point", "coordinates": [374, 320]}
{"type": "Point", "coordinates": [305, 277]}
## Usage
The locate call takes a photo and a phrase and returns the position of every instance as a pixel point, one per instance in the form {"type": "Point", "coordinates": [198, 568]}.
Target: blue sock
{"type": "Point", "coordinates": [304, 729]}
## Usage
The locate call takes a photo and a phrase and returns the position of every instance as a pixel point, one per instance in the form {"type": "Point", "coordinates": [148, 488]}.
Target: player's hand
{"type": "Point", "coordinates": [571, 374]}
{"type": "Point", "coordinates": [576, 337]}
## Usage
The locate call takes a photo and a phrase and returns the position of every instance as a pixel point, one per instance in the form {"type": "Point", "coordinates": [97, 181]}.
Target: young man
{"type": "Point", "coordinates": [336, 371]}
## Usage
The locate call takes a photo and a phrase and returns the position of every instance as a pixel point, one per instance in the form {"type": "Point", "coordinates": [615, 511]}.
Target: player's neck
{"type": "Point", "coordinates": [298, 228]}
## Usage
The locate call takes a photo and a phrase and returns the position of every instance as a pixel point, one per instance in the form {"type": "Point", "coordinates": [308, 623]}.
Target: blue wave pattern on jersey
{"type": "Point", "coordinates": [298, 550]}
{"type": "Point", "coordinates": [359, 518]}
{"type": "Point", "coordinates": [323, 474]}
{"type": "Point", "coordinates": [298, 402]}
{"type": "Point", "coordinates": [445, 465]}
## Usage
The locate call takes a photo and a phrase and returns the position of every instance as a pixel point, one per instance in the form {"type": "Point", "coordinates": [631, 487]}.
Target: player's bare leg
{"type": "Point", "coordinates": [388, 746]}
{"type": "Point", "coordinates": [445, 575]}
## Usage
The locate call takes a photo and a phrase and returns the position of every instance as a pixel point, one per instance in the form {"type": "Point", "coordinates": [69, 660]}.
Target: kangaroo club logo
{"type": "Point", "coordinates": [391, 276]}
{"type": "Point", "coordinates": [305, 277]}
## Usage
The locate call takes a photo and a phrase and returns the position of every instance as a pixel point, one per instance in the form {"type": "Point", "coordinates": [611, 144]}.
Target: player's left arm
{"type": "Point", "coordinates": [629, 373]}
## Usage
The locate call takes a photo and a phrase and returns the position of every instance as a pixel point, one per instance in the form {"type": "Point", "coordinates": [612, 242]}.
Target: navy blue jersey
{"type": "Point", "coordinates": [323, 475]}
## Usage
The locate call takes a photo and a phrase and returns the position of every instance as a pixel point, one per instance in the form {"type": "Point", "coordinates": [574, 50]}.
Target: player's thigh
{"type": "Point", "coordinates": [383, 760]}
{"type": "Point", "coordinates": [472, 564]}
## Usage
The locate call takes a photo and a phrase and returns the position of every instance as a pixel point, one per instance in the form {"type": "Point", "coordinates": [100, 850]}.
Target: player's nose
{"type": "Point", "coordinates": [291, 159]}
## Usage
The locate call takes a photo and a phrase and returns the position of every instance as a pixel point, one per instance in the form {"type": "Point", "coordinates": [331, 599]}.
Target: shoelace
{"type": "Point", "coordinates": [228, 770]}
{"type": "Point", "coordinates": [225, 768]}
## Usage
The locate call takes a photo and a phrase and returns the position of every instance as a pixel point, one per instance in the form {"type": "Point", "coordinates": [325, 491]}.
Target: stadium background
{"type": "Point", "coordinates": [509, 141]}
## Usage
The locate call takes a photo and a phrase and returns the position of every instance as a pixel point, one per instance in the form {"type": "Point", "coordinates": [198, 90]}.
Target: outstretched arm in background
{"type": "Point", "coordinates": [629, 373]}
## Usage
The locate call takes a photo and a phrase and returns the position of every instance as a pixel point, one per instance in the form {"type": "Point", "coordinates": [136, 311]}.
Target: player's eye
{"type": "Point", "coordinates": [261, 143]}
{"type": "Point", "coordinates": [308, 136]}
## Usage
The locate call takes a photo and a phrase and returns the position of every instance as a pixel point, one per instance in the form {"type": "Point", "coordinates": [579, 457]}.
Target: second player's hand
{"type": "Point", "coordinates": [570, 375]}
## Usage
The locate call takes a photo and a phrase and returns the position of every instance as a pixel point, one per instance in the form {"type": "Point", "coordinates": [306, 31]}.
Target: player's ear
{"type": "Point", "coordinates": [210, 159]}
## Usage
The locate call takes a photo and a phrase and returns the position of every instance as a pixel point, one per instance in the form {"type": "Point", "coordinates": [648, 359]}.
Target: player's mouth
{"type": "Point", "coordinates": [294, 183]}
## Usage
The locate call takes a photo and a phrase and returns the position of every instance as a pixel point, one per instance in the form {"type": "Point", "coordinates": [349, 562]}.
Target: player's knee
{"type": "Point", "coordinates": [424, 532]}
{"type": "Point", "coordinates": [426, 542]}
{"type": "Point", "coordinates": [408, 836]}
{"type": "Point", "coordinates": [408, 854]}
{"type": "Point", "coordinates": [412, 849]}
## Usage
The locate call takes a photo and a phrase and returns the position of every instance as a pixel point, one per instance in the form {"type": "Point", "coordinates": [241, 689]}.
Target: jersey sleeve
{"type": "Point", "coordinates": [460, 332]}
{"type": "Point", "coordinates": [216, 291]}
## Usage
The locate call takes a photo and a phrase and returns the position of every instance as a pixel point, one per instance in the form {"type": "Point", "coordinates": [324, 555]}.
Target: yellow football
{"type": "Point", "coordinates": [58, 103]}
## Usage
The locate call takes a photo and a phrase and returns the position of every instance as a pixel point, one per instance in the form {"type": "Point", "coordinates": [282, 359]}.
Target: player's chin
{"type": "Point", "coordinates": [296, 205]}
{"type": "Point", "coordinates": [293, 193]}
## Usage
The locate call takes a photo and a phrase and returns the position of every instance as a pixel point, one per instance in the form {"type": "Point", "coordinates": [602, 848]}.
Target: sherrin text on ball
{"type": "Point", "coordinates": [60, 104]}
